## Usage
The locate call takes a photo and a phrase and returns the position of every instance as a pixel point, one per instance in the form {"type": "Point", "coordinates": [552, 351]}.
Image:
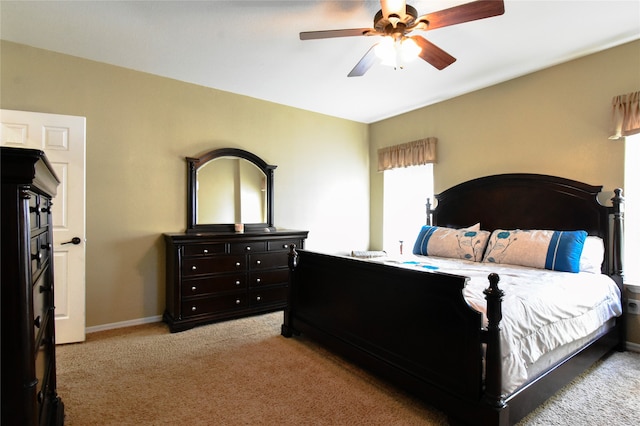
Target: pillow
{"type": "Point", "coordinates": [464, 243]}
{"type": "Point", "coordinates": [554, 250]}
{"type": "Point", "coordinates": [592, 255]}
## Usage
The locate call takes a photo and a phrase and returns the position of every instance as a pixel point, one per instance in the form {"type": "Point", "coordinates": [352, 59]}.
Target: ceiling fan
{"type": "Point", "coordinates": [396, 19]}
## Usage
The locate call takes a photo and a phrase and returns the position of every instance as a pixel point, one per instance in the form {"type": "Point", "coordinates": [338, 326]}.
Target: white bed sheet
{"type": "Point", "coordinates": [542, 310]}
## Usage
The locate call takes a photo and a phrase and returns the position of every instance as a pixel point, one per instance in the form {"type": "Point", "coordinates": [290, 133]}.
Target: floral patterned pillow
{"type": "Point", "coordinates": [553, 250]}
{"type": "Point", "coordinates": [467, 243]}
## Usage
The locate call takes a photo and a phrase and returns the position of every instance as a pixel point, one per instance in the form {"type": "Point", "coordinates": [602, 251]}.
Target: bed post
{"type": "Point", "coordinates": [618, 237]}
{"type": "Point", "coordinates": [617, 254]}
{"type": "Point", "coordinates": [493, 362]}
{"type": "Point", "coordinates": [286, 330]}
{"type": "Point", "coordinates": [428, 211]}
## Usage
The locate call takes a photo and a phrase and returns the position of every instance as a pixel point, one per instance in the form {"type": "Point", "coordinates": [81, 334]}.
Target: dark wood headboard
{"type": "Point", "coordinates": [533, 201]}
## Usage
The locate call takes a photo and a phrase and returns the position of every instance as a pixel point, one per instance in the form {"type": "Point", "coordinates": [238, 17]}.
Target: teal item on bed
{"type": "Point", "coordinates": [422, 242]}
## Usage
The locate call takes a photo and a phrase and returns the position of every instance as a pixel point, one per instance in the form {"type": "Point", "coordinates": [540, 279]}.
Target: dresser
{"type": "Point", "coordinates": [29, 394]}
{"type": "Point", "coordinates": [219, 276]}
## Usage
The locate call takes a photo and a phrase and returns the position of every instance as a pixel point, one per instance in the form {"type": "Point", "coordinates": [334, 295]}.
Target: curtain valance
{"type": "Point", "coordinates": [626, 115]}
{"type": "Point", "coordinates": [414, 153]}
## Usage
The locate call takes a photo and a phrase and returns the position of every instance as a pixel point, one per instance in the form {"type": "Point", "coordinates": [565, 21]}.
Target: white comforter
{"type": "Point", "coordinates": [541, 311]}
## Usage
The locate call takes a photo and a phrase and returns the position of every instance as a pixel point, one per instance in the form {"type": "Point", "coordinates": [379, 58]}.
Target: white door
{"type": "Point", "coordinates": [62, 138]}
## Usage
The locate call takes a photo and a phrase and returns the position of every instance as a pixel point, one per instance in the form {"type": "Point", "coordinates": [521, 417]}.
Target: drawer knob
{"type": "Point", "coordinates": [193, 268]}
{"type": "Point", "coordinates": [193, 288]}
{"type": "Point", "coordinates": [193, 309]}
{"type": "Point", "coordinates": [205, 251]}
{"type": "Point", "coordinates": [285, 246]}
{"type": "Point", "coordinates": [37, 322]}
{"type": "Point", "coordinates": [37, 256]}
{"type": "Point", "coordinates": [258, 298]}
{"type": "Point", "coordinates": [258, 280]}
{"type": "Point", "coordinates": [248, 248]}
{"type": "Point", "coordinates": [237, 263]}
{"type": "Point", "coordinates": [237, 301]}
{"type": "Point", "coordinates": [238, 282]}
{"type": "Point", "coordinates": [258, 262]}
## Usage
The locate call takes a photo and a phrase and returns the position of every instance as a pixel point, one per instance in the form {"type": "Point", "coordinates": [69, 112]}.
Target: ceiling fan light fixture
{"type": "Point", "coordinates": [386, 51]}
{"type": "Point", "coordinates": [396, 53]}
{"type": "Point", "coordinates": [409, 49]}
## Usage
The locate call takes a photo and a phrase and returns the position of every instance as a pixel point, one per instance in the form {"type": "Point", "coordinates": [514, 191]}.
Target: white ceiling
{"type": "Point", "coordinates": [252, 47]}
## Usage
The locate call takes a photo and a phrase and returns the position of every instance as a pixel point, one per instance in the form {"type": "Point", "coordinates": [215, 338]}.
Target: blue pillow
{"type": "Point", "coordinates": [553, 250]}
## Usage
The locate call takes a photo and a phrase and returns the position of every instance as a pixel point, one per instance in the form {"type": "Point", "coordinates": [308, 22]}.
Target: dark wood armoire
{"type": "Point", "coordinates": [29, 395]}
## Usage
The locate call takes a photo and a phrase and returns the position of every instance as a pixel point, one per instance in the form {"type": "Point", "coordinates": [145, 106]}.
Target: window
{"type": "Point", "coordinates": [631, 194]}
{"type": "Point", "coordinates": [405, 194]}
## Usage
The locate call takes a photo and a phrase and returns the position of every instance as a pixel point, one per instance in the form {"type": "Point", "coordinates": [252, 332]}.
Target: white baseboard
{"type": "Point", "coordinates": [634, 347]}
{"type": "Point", "coordinates": [122, 324]}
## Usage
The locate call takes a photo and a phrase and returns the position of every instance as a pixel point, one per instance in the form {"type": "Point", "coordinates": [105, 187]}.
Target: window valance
{"type": "Point", "coordinates": [626, 115]}
{"type": "Point", "coordinates": [414, 153]}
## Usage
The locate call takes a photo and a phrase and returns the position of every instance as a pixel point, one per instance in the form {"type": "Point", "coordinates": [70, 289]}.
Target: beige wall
{"type": "Point", "coordinates": [555, 121]}
{"type": "Point", "coordinates": [139, 129]}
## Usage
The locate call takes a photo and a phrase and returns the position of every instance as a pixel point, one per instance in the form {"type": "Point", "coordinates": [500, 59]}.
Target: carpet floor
{"type": "Point", "coordinates": [243, 372]}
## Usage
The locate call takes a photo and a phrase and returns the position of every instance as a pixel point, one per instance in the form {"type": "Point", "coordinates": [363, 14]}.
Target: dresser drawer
{"type": "Point", "coordinates": [269, 296]}
{"type": "Point", "coordinates": [43, 366]}
{"type": "Point", "coordinates": [39, 211]}
{"type": "Point", "coordinates": [248, 247]}
{"type": "Point", "coordinates": [266, 278]}
{"type": "Point", "coordinates": [213, 264]}
{"type": "Point", "coordinates": [213, 284]}
{"type": "Point", "coordinates": [268, 260]}
{"type": "Point", "coordinates": [34, 211]}
{"type": "Point", "coordinates": [40, 250]}
{"type": "Point", "coordinates": [283, 245]}
{"type": "Point", "coordinates": [42, 304]}
{"type": "Point", "coordinates": [204, 249]}
{"type": "Point", "coordinates": [36, 257]}
{"type": "Point", "coordinates": [213, 305]}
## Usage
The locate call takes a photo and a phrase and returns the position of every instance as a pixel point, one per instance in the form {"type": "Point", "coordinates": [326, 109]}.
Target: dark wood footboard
{"type": "Point", "coordinates": [411, 327]}
{"type": "Point", "coordinates": [415, 329]}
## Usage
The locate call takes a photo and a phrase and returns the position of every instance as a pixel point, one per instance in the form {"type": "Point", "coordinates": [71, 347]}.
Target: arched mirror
{"type": "Point", "coordinates": [229, 186]}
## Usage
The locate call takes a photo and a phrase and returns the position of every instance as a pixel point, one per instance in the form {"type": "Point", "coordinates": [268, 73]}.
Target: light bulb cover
{"type": "Point", "coordinates": [409, 50]}
{"type": "Point", "coordinates": [395, 53]}
{"type": "Point", "coordinates": [386, 51]}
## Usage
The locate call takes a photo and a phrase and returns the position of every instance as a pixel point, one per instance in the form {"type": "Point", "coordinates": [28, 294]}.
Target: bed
{"type": "Point", "coordinates": [424, 325]}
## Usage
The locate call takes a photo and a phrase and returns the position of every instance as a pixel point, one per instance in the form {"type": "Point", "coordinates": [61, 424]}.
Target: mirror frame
{"type": "Point", "coordinates": [195, 163]}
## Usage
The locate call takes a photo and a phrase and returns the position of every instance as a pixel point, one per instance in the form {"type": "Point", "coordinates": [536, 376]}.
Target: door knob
{"type": "Point", "coordinates": [74, 240]}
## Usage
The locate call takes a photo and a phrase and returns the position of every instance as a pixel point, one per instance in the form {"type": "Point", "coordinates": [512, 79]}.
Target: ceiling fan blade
{"type": "Point", "coordinates": [314, 35]}
{"type": "Point", "coordinates": [365, 63]}
{"type": "Point", "coordinates": [463, 13]}
{"type": "Point", "coordinates": [433, 54]}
